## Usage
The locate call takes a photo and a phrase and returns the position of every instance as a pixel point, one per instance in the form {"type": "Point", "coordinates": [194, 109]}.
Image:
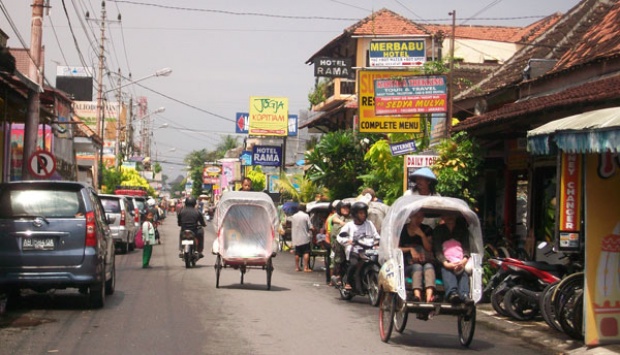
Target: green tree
{"type": "Point", "coordinates": [337, 162]}
{"type": "Point", "coordinates": [385, 174]}
{"type": "Point", "coordinates": [458, 168]}
{"type": "Point", "coordinates": [306, 192]}
{"type": "Point", "coordinates": [259, 179]}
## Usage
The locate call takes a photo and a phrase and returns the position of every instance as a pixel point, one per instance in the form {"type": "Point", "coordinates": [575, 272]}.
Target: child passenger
{"type": "Point", "coordinates": [416, 244]}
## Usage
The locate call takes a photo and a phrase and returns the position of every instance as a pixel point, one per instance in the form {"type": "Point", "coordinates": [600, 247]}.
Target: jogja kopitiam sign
{"type": "Point", "coordinates": [268, 116]}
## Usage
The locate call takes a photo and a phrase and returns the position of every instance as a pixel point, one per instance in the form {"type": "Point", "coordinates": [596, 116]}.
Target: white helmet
{"type": "Point", "coordinates": [150, 202]}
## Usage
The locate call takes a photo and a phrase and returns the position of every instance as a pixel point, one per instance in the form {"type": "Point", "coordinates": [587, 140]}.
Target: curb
{"type": "Point", "coordinates": [538, 333]}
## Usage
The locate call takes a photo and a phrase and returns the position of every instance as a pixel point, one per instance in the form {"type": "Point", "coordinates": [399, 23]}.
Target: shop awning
{"type": "Point", "coordinates": [589, 132]}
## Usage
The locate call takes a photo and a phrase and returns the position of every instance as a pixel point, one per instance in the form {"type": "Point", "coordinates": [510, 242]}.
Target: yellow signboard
{"type": "Point", "coordinates": [369, 121]}
{"type": "Point", "coordinates": [268, 116]}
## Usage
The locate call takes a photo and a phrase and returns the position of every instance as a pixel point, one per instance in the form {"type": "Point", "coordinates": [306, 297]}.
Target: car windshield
{"type": "Point", "coordinates": [40, 203]}
{"type": "Point", "coordinates": [141, 205]}
{"type": "Point", "coordinates": [111, 205]}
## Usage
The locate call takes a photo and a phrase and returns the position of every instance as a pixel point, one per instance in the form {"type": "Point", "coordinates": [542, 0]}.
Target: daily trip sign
{"type": "Point", "coordinates": [268, 116]}
{"type": "Point", "coordinates": [369, 121]}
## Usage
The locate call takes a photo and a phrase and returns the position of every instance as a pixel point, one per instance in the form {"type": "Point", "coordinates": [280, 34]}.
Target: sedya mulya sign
{"type": "Point", "coordinates": [334, 67]}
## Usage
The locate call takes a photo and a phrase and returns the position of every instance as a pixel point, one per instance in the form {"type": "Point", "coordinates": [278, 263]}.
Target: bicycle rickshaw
{"type": "Point", "coordinates": [396, 296]}
{"type": "Point", "coordinates": [246, 223]}
{"type": "Point", "coordinates": [318, 211]}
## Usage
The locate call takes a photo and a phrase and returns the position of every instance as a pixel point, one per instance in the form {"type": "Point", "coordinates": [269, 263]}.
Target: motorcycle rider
{"type": "Point", "coordinates": [357, 236]}
{"type": "Point", "coordinates": [190, 218]}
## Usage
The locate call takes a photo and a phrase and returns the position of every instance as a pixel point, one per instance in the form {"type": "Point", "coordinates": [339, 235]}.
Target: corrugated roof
{"type": "Point", "coordinates": [589, 132]}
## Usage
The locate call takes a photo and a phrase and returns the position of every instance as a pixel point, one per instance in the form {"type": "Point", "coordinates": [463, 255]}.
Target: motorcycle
{"type": "Point", "coordinates": [367, 278]}
{"type": "Point", "coordinates": [520, 291]}
{"type": "Point", "coordinates": [189, 244]}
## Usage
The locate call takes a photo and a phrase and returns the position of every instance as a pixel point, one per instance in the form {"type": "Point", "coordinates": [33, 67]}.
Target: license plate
{"type": "Point", "coordinates": [187, 242]}
{"type": "Point", "coordinates": [38, 244]}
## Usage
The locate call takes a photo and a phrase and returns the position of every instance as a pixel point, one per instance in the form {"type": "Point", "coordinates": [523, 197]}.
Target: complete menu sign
{"type": "Point", "coordinates": [410, 95]}
{"type": "Point", "coordinates": [369, 121]}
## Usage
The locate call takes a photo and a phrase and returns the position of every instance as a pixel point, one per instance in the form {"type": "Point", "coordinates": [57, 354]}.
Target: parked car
{"type": "Point", "coordinates": [120, 214]}
{"type": "Point", "coordinates": [55, 235]}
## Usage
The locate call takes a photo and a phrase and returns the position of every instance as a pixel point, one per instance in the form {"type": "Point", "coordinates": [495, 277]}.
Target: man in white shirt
{"type": "Point", "coordinates": [301, 230]}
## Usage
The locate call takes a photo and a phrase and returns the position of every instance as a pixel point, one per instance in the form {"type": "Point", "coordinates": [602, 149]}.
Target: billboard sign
{"type": "Point", "coordinates": [267, 155]}
{"type": "Point", "coordinates": [369, 122]}
{"type": "Point", "coordinates": [268, 116]}
{"type": "Point", "coordinates": [403, 148]}
{"type": "Point", "coordinates": [242, 122]}
{"type": "Point", "coordinates": [334, 67]}
{"type": "Point", "coordinates": [398, 53]}
{"type": "Point", "coordinates": [410, 95]}
{"type": "Point", "coordinates": [293, 124]}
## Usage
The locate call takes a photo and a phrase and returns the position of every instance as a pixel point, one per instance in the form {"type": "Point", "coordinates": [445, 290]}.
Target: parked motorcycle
{"type": "Point", "coordinates": [189, 244]}
{"type": "Point", "coordinates": [367, 278]}
{"type": "Point", "coordinates": [522, 288]}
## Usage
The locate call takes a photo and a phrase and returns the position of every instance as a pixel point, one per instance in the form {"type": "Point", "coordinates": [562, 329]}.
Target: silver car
{"type": "Point", "coordinates": [55, 235]}
{"type": "Point", "coordinates": [121, 217]}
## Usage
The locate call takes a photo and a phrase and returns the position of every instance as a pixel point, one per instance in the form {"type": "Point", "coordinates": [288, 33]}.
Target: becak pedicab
{"type": "Point", "coordinates": [396, 295]}
{"type": "Point", "coordinates": [246, 223]}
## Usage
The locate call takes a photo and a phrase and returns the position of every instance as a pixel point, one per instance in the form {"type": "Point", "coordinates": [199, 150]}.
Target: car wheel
{"type": "Point", "coordinates": [96, 293]}
{"type": "Point", "coordinates": [110, 285]}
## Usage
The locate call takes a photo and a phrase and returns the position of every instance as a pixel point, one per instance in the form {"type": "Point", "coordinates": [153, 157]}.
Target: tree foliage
{"type": "Point", "coordinates": [385, 173]}
{"type": "Point", "coordinates": [458, 168]}
{"type": "Point", "coordinates": [306, 192]}
{"type": "Point", "coordinates": [337, 162]}
{"type": "Point", "coordinates": [259, 179]}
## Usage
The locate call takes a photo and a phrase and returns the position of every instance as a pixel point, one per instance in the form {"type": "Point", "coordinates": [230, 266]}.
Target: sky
{"type": "Point", "coordinates": [223, 52]}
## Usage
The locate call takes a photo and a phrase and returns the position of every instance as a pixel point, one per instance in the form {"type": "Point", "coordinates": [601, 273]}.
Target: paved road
{"type": "Point", "coordinates": [168, 309]}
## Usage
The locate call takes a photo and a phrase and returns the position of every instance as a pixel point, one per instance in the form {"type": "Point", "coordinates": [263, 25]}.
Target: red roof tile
{"type": "Point", "coordinates": [599, 41]}
{"type": "Point", "coordinates": [386, 22]}
{"type": "Point", "coordinates": [589, 93]}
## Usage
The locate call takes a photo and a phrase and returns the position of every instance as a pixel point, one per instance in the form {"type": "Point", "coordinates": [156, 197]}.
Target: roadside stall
{"type": "Point", "coordinates": [587, 213]}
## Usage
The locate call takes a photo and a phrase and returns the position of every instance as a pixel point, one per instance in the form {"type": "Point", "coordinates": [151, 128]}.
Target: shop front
{"type": "Point", "coordinates": [588, 218]}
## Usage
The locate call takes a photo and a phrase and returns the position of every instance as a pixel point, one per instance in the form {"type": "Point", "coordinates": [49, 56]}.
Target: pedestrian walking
{"type": "Point", "coordinates": [301, 228]}
{"type": "Point", "coordinates": [148, 235]}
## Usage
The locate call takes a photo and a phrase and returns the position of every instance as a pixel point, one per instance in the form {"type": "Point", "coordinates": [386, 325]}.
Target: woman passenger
{"type": "Point", "coordinates": [417, 246]}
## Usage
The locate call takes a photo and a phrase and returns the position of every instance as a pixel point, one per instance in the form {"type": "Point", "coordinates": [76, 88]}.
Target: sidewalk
{"type": "Point", "coordinates": [538, 333]}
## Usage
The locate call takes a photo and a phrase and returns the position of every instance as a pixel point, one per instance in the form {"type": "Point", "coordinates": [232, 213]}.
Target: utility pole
{"type": "Point", "coordinates": [450, 75]}
{"type": "Point", "coordinates": [129, 131]}
{"type": "Point", "coordinates": [100, 110]}
{"type": "Point", "coordinates": [31, 128]}
{"type": "Point", "coordinates": [117, 150]}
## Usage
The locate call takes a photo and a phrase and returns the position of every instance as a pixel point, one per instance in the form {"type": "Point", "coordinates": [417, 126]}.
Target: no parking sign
{"type": "Point", "coordinates": [42, 164]}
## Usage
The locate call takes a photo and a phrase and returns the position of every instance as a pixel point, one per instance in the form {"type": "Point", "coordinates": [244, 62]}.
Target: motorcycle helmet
{"type": "Point", "coordinates": [425, 173]}
{"type": "Point", "coordinates": [150, 202]}
{"type": "Point", "coordinates": [190, 202]}
{"type": "Point", "coordinates": [344, 203]}
{"type": "Point", "coordinates": [355, 208]}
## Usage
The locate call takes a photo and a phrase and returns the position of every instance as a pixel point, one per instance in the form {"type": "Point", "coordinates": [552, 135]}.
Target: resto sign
{"type": "Point", "coordinates": [369, 122]}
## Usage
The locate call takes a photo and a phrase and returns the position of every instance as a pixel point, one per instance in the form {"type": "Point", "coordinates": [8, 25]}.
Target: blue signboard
{"type": "Point", "coordinates": [403, 148]}
{"type": "Point", "coordinates": [246, 158]}
{"type": "Point", "coordinates": [292, 125]}
{"type": "Point", "coordinates": [267, 155]}
{"type": "Point", "coordinates": [242, 123]}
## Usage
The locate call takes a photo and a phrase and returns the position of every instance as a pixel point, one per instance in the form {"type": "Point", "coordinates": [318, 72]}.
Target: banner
{"type": "Point", "coordinates": [570, 201]}
{"type": "Point", "coordinates": [410, 95]}
{"type": "Point", "coordinates": [369, 122]}
{"type": "Point", "coordinates": [602, 229]}
{"type": "Point", "coordinates": [268, 116]}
